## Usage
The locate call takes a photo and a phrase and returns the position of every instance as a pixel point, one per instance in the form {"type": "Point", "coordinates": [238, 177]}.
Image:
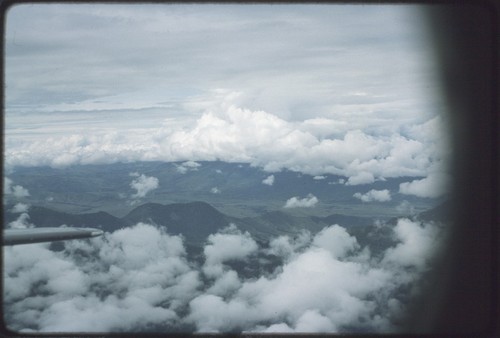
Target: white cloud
{"type": "Point", "coordinates": [434, 185]}
{"type": "Point", "coordinates": [143, 185]}
{"type": "Point", "coordinates": [285, 247]}
{"type": "Point", "coordinates": [230, 244]}
{"type": "Point", "coordinates": [374, 195]}
{"type": "Point", "coordinates": [292, 294]}
{"type": "Point", "coordinates": [215, 190]}
{"type": "Point", "coordinates": [418, 244]}
{"type": "Point", "coordinates": [20, 208]}
{"type": "Point", "coordinates": [378, 123]}
{"type": "Point", "coordinates": [138, 278]}
{"type": "Point", "coordinates": [22, 222]}
{"type": "Point", "coordinates": [306, 202]}
{"type": "Point", "coordinates": [361, 178]}
{"type": "Point", "coordinates": [319, 177]}
{"type": "Point", "coordinates": [187, 166]}
{"type": "Point", "coordinates": [336, 240]}
{"type": "Point", "coordinates": [15, 190]}
{"type": "Point", "coordinates": [269, 180]}
{"type": "Point", "coordinates": [233, 134]}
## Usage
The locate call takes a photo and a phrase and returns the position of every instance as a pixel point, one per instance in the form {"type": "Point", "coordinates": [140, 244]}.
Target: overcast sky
{"type": "Point", "coordinates": [251, 83]}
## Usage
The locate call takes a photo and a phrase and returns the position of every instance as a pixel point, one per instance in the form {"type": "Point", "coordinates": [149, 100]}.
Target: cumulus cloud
{"type": "Point", "coordinates": [15, 190]}
{"type": "Point", "coordinates": [22, 222]}
{"type": "Point", "coordinates": [319, 177]}
{"type": "Point", "coordinates": [336, 240]}
{"type": "Point", "coordinates": [128, 280]}
{"type": "Point", "coordinates": [418, 243]}
{"type": "Point", "coordinates": [269, 180]}
{"type": "Point", "coordinates": [20, 208]}
{"type": "Point", "coordinates": [374, 195]}
{"type": "Point", "coordinates": [233, 134]}
{"type": "Point", "coordinates": [139, 279]}
{"type": "Point", "coordinates": [143, 185]}
{"type": "Point", "coordinates": [292, 295]}
{"type": "Point", "coordinates": [361, 178]}
{"type": "Point", "coordinates": [229, 244]}
{"type": "Point", "coordinates": [434, 185]}
{"type": "Point", "coordinates": [306, 202]}
{"type": "Point", "coordinates": [284, 246]}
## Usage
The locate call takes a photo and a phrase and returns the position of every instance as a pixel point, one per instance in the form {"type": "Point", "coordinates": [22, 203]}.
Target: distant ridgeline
{"type": "Point", "coordinates": [197, 220]}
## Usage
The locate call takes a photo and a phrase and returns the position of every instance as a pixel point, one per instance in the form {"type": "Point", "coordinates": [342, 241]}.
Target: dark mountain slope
{"type": "Point", "coordinates": [195, 220]}
{"type": "Point", "coordinates": [43, 217]}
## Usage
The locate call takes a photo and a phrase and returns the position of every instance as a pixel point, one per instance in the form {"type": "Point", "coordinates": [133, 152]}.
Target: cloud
{"type": "Point", "coordinates": [229, 244]}
{"type": "Point", "coordinates": [187, 166]}
{"type": "Point", "coordinates": [143, 185]}
{"type": "Point", "coordinates": [229, 133]}
{"type": "Point", "coordinates": [292, 294]}
{"type": "Point", "coordinates": [434, 185]}
{"type": "Point", "coordinates": [269, 180]}
{"type": "Point", "coordinates": [306, 202]}
{"type": "Point", "coordinates": [20, 208]}
{"type": "Point", "coordinates": [336, 240]}
{"type": "Point", "coordinates": [139, 279]}
{"type": "Point", "coordinates": [406, 208]}
{"type": "Point", "coordinates": [14, 190]}
{"type": "Point", "coordinates": [284, 246]}
{"type": "Point", "coordinates": [22, 222]}
{"type": "Point", "coordinates": [215, 190]}
{"type": "Point", "coordinates": [378, 123]}
{"type": "Point", "coordinates": [361, 178]}
{"type": "Point", "coordinates": [374, 195]}
{"type": "Point", "coordinates": [418, 244]}
{"type": "Point", "coordinates": [319, 177]}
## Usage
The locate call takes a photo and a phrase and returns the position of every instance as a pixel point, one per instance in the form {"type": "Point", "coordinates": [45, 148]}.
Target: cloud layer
{"type": "Point", "coordinates": [258, 138]}
{"type": "Point", "coordinates": [319, 89]}
{"type": "Point", "coordinates": [140, 279]}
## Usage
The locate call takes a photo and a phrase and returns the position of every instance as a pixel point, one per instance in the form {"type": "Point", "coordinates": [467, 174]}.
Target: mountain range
{"type": "Point", "coordinates": [197, 220]}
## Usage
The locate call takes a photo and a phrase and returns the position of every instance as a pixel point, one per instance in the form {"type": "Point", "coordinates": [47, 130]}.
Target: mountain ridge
{"type": "Point", "coordinates": [197, 220]}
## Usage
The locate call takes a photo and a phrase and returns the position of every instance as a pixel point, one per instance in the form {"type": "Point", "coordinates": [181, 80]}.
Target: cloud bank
{"type": "Point", "coordinates": [240, 135]}
{"type": "Point", "coordinates": [140, 279]}
{"type": "Point", "coordinates": [229, 92]}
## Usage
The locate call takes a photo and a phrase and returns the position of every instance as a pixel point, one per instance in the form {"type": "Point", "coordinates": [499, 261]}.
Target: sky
{"type": "Point", "coordinates": [340, 89]}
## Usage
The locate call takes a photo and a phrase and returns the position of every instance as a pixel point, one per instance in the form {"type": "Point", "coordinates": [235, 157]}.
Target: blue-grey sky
{"type": "Point", "coordinates": [278, 86]}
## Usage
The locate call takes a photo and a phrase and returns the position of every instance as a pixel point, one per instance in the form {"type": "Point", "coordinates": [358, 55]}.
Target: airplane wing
{"type": "Point", "coordinates": [36, 235]}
